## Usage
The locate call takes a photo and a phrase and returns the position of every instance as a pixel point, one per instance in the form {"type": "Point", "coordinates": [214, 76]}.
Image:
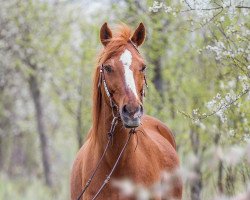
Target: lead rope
{"type": "Point", "coordinates": [132, 131]}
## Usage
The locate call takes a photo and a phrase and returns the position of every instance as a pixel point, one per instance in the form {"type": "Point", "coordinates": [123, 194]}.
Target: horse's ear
{"type": "Point", "coordinates": [139, 35]}
{"type": "Point", "coordinates": [105, 34]}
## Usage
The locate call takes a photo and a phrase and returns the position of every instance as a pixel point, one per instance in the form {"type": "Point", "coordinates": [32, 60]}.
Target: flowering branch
{"type": "Point", "coordinates": [213, 8]}
{"type": "Point", "coordinates": [216, 111]}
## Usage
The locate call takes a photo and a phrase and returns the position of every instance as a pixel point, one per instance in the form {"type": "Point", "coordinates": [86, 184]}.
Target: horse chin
{"type": "Point", "coordinates": [131, 123]}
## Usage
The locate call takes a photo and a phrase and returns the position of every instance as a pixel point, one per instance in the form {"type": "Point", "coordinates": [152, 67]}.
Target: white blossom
{"type": "Point", "coordinates": [156, 6]}
{"type": "Point", "coordinates": [222, 18]}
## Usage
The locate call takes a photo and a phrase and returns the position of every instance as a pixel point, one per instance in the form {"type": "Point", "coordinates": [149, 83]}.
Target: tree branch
{"type": "Point", "coordinates": [215, 111]}
{"type": "Point", "coordinates": [213, 8]}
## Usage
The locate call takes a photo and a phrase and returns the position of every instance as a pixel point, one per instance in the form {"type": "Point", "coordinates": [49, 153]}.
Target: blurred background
{"type": "Point", "coordinates": [197, 53]}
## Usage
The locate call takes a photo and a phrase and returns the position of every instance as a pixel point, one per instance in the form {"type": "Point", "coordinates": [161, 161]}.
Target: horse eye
{"type": "Point", "coordinates": [143, 69]}
{"type": "Point", "coordinates": [108, 68]}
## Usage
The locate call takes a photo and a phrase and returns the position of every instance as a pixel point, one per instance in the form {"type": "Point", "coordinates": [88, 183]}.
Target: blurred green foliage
{"type": "Point", "coordinates": [190, 63]}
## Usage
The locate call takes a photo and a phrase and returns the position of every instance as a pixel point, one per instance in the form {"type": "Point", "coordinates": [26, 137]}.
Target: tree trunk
{"type": "Point", "coordinates": [157, 79]}
{"type": "Point", "coordinates": [220, 167]}
{"type": "Point", "coordinates": [172, 105]}
{"type": "Point", "coordinates": [1, 153]}
{"type": "Point", "coordinates": [196, 185]}
{"type": "Point", "coordinates": [36, 96]}
{"type": "Point", "coordinates": [79, 124]}
{"type": "Point", "coordinates": [220, 178]}
{"type": "Point", "coordinates": [2, 128]}
{"type": "Point", "coordinates": [230, 181]}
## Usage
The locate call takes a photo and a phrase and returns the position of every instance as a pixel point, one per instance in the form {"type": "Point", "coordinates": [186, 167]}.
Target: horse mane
{"type": "Point", "coordinates": [116, 44]}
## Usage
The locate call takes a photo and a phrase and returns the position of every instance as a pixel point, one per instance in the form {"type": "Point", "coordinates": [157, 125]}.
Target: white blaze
{"type": "Point", "coordinates": [126, 59]}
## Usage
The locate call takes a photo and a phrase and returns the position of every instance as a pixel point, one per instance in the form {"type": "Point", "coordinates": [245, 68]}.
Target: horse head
{"type": "Point", "coordinates": [123, 70]}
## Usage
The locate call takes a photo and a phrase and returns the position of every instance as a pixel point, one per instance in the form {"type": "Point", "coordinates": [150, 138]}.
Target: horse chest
{"type": "Point", "coordinates": [140, 166]}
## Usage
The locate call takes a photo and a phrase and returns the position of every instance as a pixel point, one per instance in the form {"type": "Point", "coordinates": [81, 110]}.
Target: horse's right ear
{"type": "Point", "coordinates": [105, 34]}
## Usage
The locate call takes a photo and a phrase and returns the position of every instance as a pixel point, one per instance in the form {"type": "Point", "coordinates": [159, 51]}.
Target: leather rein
{"type": "Point", "coordinates": [114, 122]}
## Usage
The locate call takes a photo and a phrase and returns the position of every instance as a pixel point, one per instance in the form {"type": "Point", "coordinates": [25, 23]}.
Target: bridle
{"type": "Point", "coordinates": [113, 105]}
{"type": "Point", "coordinates": [116, 118]}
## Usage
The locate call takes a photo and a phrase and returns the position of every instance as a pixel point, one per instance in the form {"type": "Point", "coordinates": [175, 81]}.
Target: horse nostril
{"type": "Point", "coordinates": [141, 108]}
{"type": "Point", "coordinates": [130, 111]}
{"type": "Point", "coordinates": [138, 109]}
{"type": "Point", "coordinates": [125, 110]}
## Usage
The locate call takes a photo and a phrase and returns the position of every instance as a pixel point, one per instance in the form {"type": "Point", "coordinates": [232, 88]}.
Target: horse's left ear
{"type": "Point", "coordinates": [139, 35]}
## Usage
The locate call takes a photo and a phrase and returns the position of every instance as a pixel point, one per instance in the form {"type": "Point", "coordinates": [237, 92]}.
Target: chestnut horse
{"type": "Point", "coordinates": [119, 82]}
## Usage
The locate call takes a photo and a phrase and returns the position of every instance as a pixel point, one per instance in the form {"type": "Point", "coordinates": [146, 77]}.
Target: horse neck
{"type": "Point", "coordinates": [120, 134]}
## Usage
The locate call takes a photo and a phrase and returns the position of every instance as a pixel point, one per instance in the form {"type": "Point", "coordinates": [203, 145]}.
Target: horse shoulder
{"type": "Point", "coordinates": [162, 129]}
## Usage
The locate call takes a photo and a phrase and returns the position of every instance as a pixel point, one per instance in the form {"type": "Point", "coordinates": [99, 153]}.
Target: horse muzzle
{"type": "Point", "coordinates": [131, 116]}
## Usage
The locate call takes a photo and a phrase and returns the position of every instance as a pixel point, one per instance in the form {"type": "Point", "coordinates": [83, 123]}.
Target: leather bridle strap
{"type": "Point", "coordinates": [145, 78]}
{"type": "Point", "coordinates": [113, 105]}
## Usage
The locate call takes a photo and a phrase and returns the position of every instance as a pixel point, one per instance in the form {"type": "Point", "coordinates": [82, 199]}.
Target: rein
{"type": "Point", "coordinates": [132, 131]}
{"type": "Point", "coordinates": [110, 134]}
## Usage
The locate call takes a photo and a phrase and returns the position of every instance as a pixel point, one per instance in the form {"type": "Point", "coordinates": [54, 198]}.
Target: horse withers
{"type": "Point", "coordinates": [123, 142]}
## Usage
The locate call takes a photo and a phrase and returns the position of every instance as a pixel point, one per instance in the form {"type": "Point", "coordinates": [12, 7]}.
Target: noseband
{"type": "Point", "coordinates": [114, 107]}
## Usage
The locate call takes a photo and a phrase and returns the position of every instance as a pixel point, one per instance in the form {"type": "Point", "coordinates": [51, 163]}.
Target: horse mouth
{"type": "Point", "coordinates": [131, 123]}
